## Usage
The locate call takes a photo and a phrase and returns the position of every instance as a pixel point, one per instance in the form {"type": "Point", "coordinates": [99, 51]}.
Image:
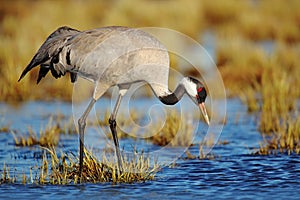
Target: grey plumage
{"type": "Point", "coordinates": [112, 55]}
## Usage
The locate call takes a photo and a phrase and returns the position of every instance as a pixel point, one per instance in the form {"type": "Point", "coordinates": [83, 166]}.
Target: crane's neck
{"type": "Point", "coordinates": [173, 98]}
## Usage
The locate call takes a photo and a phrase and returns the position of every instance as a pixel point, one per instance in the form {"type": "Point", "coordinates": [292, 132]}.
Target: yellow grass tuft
{"type": "Point", "coordinates": [285, 140]}
{"type": "Point", "coordinates": [63, 170]}
{"type": "Point", "coordinates": [6, 177]}
{"type": "Point", "coordinates": [48, 136]}
{"type": "Point", "coordinates": [4, 128]}
{"type": "Point", "coordinates": [175, 132]}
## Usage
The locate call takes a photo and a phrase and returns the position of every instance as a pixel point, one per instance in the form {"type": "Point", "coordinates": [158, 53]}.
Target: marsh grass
{"type": "Point", "coordinates": [279, 115]}
{"type": "Point", "coordinates": [255, 21]}
{"type": "Point", "coordinates": [176, 131]}
{"type": "Point", "coordinates": [22, 32]}
{"type": "Point", "coordinates": [241, 64]}
{"type": "Point", "coordinates": [5, 128]}
{"type": "Point", "coordinates": [66, 127]}
{"type": "Point", "coordinates": [267, 83]}
{"type": "Point", "coordinates": [202, 146]}
{"type": "Point", "coordinates": [250, 97]}
{"type": "Point", "coordinates": [46, 137]}
{"type": "Point", "coordinates": [285, 140]}
{"type": "Point", "coordinates": [200, 156]}
{"type": "Point", "coordinates": [63, 169]}
{"type": "Point", "coordinates": [278, 100]}
{"type": "Point", "coordinates": [279, 118]}
{"type": "Point", "coordinates": [6, 175]}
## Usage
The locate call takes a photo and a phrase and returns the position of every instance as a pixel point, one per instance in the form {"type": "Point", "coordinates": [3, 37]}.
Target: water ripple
{"type": "Point", "coordinates": [233, 174]}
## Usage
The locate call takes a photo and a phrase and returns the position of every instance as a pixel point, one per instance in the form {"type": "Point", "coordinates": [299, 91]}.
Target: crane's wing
{"type": "Point", "coordinates": [48, 53]}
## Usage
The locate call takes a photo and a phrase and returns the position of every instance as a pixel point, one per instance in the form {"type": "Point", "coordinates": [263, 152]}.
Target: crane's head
{"type": "Point", "coordinates": [196, 90]}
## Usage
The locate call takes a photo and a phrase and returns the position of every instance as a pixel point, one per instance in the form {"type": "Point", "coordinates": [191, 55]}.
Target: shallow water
{"type": "Point", "coordinates": [233, 174]}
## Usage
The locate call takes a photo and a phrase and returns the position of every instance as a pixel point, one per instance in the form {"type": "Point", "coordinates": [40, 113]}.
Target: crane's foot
{"type": "Point", "coordinates": [113, 125]}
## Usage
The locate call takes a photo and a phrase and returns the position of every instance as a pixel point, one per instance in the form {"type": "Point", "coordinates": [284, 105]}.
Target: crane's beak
{"type": "Point", "coordinates": [204, 113]}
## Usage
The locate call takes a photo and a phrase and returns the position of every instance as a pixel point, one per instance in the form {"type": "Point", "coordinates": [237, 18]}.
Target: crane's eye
{"type": "Point", "coordinates": [201, 94]}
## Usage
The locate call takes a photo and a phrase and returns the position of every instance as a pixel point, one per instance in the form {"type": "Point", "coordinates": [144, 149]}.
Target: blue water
{"type": "Point", "coordinates": [233, 173]}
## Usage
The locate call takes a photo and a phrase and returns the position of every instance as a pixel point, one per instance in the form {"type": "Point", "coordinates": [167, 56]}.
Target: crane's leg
{"type": "Point", "coordinates": [113, 125]}
{"type": "Point", "coordinates": [81, 125]}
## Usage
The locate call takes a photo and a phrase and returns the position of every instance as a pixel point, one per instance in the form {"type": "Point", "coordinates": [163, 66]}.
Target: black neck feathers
{"type": "Point", "coordinates": [174, 97]}
{"type": "Point", "coordinates": [170, 99]}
